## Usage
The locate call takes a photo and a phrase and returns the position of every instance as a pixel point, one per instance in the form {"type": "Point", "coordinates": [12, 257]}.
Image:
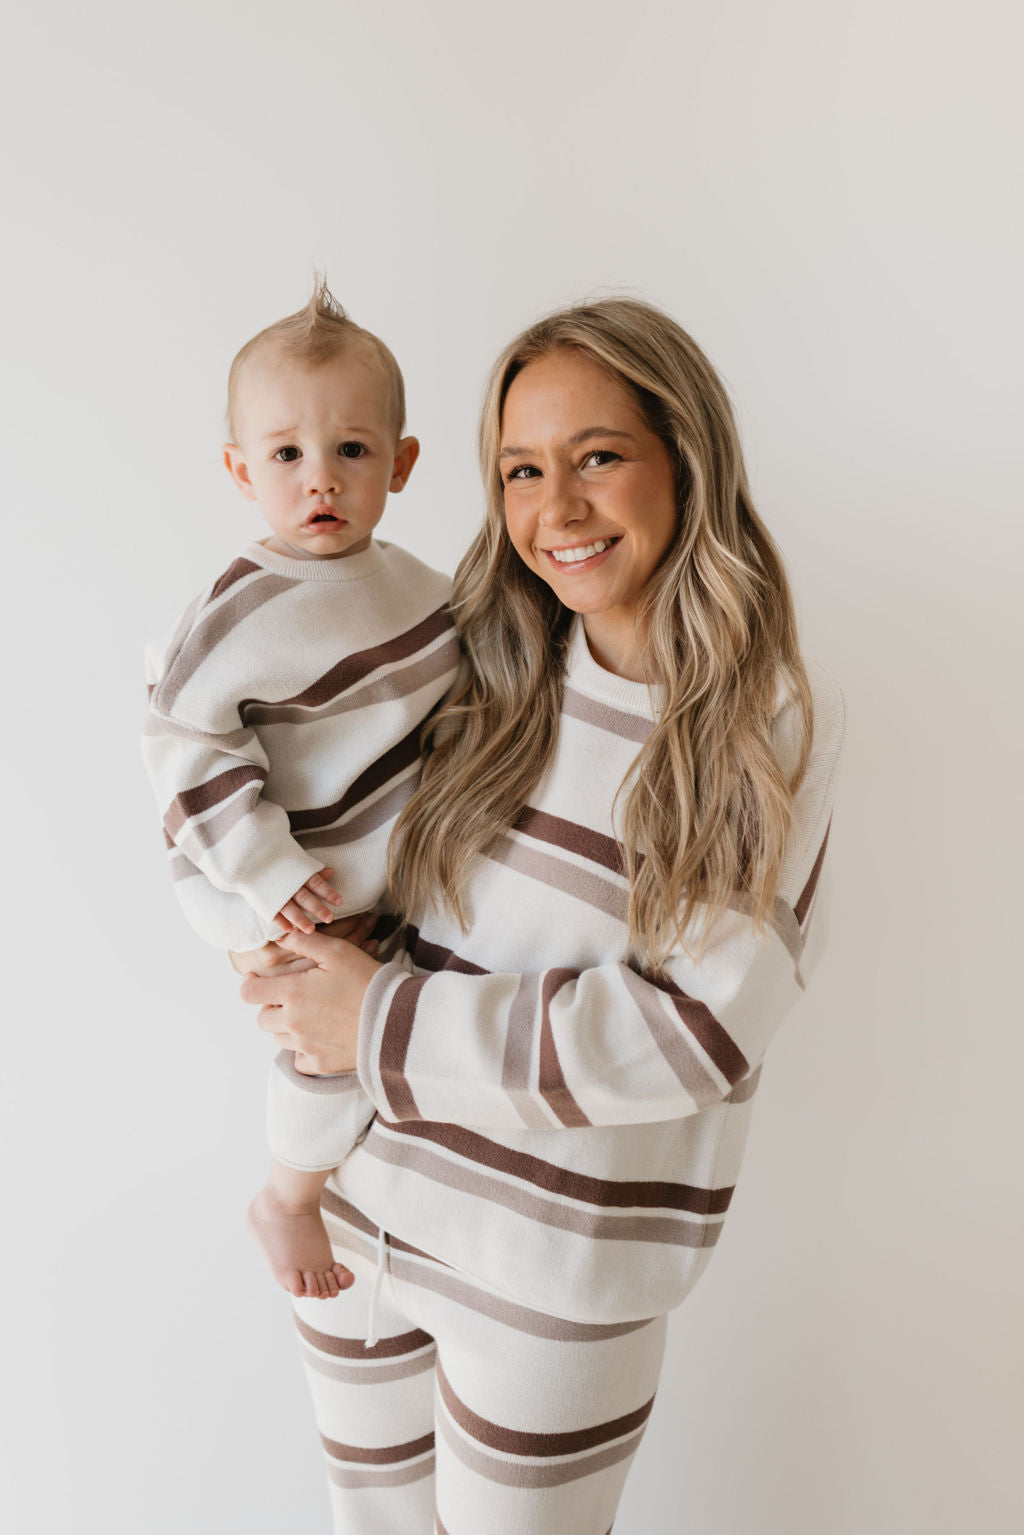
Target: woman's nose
{"type": "Point", "coordinates": [561, 503]}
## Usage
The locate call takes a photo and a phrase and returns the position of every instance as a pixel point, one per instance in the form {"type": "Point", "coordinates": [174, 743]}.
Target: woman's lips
{"type": "Point", "coordinates": [575, 556]}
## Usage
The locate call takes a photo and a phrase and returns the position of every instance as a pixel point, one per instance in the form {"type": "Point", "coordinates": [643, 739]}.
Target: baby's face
{"type": "Point", "coordinates": [318, 450]}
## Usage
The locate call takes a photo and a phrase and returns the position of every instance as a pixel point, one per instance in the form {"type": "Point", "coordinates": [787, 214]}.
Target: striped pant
{"type": "Point", "coordinates": [471, 1414]}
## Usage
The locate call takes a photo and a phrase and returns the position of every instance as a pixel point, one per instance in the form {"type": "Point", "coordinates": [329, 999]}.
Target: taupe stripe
{"type": "Point", "coordinates": [677, 1048]}
{"type": "Point", "coordinates": [522, 1474]}
{"type": "Point", "coordinates": [513, 1441]}
{"type": "Point", "coordinates": [428, 1275]}
{"type": "Point", "coordinates": [617, 721]}
{"type": "Point", "coordinates": [551, 1083]}
{"type": "Point", "coordinates": [205, 834]}
{"type": "Point", "coordinates": [515, 1067]}
{"type": "Point", "coordinates": [572, 837]}
{"type": "Point", "coordinates": [345, 1476]}
{"type": "Point", "coordinates": [706, 1030]}
{"type": "Point", "coordinates": [605, 1193]}
{"type": "Point", "coordinates": [581, 883]}
{"type": "Point", "coordinates": [807, 894]}
{"type": "Point", "coordinates": [228, 741]}
{"type": "Point", "coordinates": [214, 625]}
{"type": "Point", "coordinates": [332, 1203]}
{"type": "Point", "coordinates": [366, 821]}
{"type": "Point", "coordinates": [373, 1374]}
{"type": "Point", "coordinates": [394, 1047]}
{"type": "Point", "coordinates": [353, 668]}
{"type": "Point", "coordinates": [182, 867]}
{"type": "Point", "coordinates": [395, 684]}
{"type": "Point", "coordinates": [380, 1455]}
{"type": "Point", "coordinates": [388, 766]}
{"type": "Point", "coordinates": [192, 802]}
{"type": "Point", "coordinates": [235, 571]}
{"type": "Point", "coordinates": [670, 1230]}
{"type": "Point", "coordinates": [343, 1082]}
{"type": "Point", "coordinates": [745, 1090]}
{"type": "Point", "coordinates": [399, 1346]}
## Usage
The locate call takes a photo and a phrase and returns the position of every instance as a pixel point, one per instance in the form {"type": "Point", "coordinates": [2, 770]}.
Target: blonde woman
{"type": "Point", "coordinates": [611, 878]}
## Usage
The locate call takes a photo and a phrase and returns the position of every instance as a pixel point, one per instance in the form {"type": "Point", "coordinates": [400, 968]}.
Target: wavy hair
{"type": "Point", "coordinates": [704, 813]}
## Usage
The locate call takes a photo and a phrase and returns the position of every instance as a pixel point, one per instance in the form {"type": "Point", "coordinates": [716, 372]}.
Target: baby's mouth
{"type": "Point", "coordinates": [322, 518]}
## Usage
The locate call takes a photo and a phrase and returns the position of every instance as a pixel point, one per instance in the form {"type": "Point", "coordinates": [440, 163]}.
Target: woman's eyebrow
{"type": "Point", "coordinates": [573, 441]}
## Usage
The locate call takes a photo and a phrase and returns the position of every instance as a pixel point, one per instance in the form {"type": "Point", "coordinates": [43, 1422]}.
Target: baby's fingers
{"type": "Point", "coordinates": [293, 914]}
{"type": "Point", "coordinates": [321, 886]}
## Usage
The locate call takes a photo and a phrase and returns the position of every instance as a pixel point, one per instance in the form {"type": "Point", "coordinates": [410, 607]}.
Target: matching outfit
{"type": "Point", "coordinates": [556, 1142]}
{"type": "Point", "coordinates": [283, 737]}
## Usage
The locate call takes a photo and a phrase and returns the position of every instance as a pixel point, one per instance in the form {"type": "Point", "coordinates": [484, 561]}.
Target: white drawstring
{"type": "Point", "coordinates": [378, 1280]}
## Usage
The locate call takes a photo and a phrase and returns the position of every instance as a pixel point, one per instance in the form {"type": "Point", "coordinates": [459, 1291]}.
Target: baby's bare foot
{"type": "Point", "coordinates": [296, 1245]}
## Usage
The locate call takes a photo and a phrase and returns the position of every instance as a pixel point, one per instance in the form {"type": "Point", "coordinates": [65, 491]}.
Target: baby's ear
{"type": "Point", "coordinates": [406, 454]}
{"type": "Point", "coordinates": [235, 464]}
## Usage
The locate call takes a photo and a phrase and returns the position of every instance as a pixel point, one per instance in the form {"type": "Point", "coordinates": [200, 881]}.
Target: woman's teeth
{"type": "Point", "coordinates": [581, 552]}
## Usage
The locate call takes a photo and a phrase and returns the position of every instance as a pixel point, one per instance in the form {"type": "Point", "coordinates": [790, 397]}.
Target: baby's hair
{"type": "Point", "coordinates": [314, 335]}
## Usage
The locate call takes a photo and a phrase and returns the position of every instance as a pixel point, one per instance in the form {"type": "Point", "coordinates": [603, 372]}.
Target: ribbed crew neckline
{"type": "Point", "coordinates": [351, 567]}
{"type": "Point", "coordinates": [589, 677]}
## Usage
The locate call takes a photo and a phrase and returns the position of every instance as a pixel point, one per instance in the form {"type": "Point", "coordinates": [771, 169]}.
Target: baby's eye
{"type": "Point", "coordinates": [287, 455]}
{"type": "Point", "coordinates": [352, 449]}
{"type": "Point", "coordinates": [600, 456]}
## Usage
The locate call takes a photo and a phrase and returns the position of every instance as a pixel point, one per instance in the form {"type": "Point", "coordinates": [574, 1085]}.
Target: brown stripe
{"type": "Point", "coordinates": [675, 1045]}
{"type": "Point", "coordinates": [604, 1192]}
{"type": "Point", "coordinates": [745, 1090]}
{"type": "Point", "coordinates": [552, 1084]}
{"type": "Point", "coordinates": [377, 1476]}
{"type": "Point", "coordinates": [203, 835]}
{"type": "Point", "coordinates": [333, 1204]}
{"type": "Point", "coordinates": [355, 1348]}
{"type": "Point", "coordinates": [394, 1047]}
{"type": "Point", "coordinates": [385, 1455]}
{"type": "Point", "coordinates": [668, 1230]}
{"type": "Point", "coordinates": [706, 1030]}
{"type": "Point", "coordinates": [617, 721]}
{"type": "Point", "coordinates": [204, 796]}
{"type": "Point", "coordinates": [512, 1441]}
{"type": "Point", "coordinates": [365, 822]}
{"type": "Point", "coordinates": [388, 766]}
{"type": "Point", "coordinates": [400, 683]}
{"type": "Point", "coordinates": [212, 626]}
{"type": "Point", "coordinates": [582, 884]}
{"type": "Point", "coordinates": [807, 894]}
{"type": "Point", "coordinates": [234, 572]}
{"type": "Point", "coordinates": [352, 669]}
{"type": "Point", "coordinates": [572, 837]}
{"type": "Point", "coordinates": [521, 1473]}
{"type": "Point", "coordinates": [359, 1373]}
{"type": "Point", "coordinates": [431, 956]}
{"type": "Point", "coordinates": [517, 1060]}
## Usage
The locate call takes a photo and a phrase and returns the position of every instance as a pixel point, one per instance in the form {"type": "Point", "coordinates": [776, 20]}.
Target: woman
{"type": "Point", "coordinates": [611, 870]}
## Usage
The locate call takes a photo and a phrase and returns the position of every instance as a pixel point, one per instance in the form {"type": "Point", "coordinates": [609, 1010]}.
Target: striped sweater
{"type": "Point", "coordinates": [283, 729]}
{"type": "Point", "coordinates": [549, 1119]}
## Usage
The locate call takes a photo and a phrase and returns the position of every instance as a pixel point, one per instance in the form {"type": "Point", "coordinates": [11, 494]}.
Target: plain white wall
{"type": "Point", "coordinates": [824, 195]}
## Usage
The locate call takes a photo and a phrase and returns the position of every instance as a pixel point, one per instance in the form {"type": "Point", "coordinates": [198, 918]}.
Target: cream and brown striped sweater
{"type": "Point", "coordinates": [549, 1119]}
{"type": "Point", "coordinates": [283, 729]}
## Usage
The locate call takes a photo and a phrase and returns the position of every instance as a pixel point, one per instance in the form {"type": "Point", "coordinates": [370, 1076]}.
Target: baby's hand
{"type": "Point", "coordinates": [308, 905]}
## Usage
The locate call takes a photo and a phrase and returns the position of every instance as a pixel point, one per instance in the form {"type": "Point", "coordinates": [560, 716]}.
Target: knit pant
{"type": "Point", "coordinates": [470, 1414]}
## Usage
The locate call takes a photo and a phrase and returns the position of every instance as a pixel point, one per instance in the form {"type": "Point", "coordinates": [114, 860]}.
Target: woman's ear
{"type": "Point", "coordinates": [236, 466]}
{"type": "Point", "coordinates": [406, 454]}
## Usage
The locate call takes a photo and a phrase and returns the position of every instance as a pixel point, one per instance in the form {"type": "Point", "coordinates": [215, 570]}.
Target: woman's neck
{"type": "Point", "coordinates": [613, 643]}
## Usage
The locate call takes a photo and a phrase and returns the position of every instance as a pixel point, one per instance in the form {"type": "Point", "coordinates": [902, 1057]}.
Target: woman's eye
{"type": "Point", "coordinates": [600, 456]}
{"type": "Point", "coordinates": [287, 455]}
{"type": "Point", "coordinates": [352, 450]}
{"type": "Point", "coordinates": [521, 472]}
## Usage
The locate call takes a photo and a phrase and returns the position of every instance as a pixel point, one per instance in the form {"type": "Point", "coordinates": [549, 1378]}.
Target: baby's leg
{"type": "Point", "coordinates": [285, 1220]}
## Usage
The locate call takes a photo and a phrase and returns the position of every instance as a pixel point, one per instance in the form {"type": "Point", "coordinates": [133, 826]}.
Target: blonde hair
{"type": "Point", "coordinates": [315, 334]}
{"type": "Point", "coordinates": [707, 808]}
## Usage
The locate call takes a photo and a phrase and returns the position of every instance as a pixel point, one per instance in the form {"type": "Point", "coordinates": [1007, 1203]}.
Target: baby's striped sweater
{"type": "Point", "coordinates": [549, 1119]}
{"type": "Point", "coordinates": [283, 729]}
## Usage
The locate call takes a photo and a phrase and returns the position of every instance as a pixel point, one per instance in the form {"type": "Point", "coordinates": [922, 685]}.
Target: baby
{"type": "Point", "coordinates": [283, 730]}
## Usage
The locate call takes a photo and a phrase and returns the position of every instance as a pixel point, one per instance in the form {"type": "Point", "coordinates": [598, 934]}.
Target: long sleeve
{"type": "Point", "coordinates": [604, 1045]}
{"type": "Point", "coordinates": [314, 1122]}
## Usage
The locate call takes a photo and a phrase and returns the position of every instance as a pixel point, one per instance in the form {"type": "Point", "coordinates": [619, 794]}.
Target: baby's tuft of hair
{"type": "Point", "coordinates": [313, 335]}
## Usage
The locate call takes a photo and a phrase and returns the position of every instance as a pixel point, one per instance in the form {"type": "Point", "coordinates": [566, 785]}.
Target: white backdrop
{"type": "Point", "coordinates": [826, 196]}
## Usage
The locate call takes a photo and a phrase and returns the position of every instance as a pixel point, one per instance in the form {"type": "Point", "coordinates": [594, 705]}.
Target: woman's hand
{"type": "Point", "coordinates": [273, 960]}
{"type": "Point", "coordinates": [315, 1012]}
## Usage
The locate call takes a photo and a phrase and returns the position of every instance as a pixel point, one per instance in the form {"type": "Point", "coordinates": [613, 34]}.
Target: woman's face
{"type": "Point", "coordinates": [590, 492]}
